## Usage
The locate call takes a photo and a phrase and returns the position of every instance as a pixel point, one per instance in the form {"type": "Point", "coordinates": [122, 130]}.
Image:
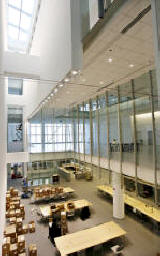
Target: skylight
{"type": "Point", "coordinates": [21, 14]}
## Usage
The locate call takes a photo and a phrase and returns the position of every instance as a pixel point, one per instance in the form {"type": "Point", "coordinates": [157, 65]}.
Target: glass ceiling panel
{"type": "Point", "coordinates": [28, 6]}
{"type": "Point", "coordinates": [21, 15]}
{"type": "Point", "coordinates": [13, 32]}
{"type": "Point", "coordinates": [25, 21]}
{"type": "Point", "coordinates": [16, 3]}
{"type": "Point", "coordinates": [13, 16]}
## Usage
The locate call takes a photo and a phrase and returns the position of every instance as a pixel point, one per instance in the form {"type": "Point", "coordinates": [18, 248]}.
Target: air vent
{"type": "Point", "coordinates": [136, 20]}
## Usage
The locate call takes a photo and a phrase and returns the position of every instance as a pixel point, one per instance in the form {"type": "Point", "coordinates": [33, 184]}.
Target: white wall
{"type": "Point", "coordinates": [21, 157]}
{"type": "Point", "coordinates": [52, 40]}
{"type": "Point", "coordinates": [18, 63]}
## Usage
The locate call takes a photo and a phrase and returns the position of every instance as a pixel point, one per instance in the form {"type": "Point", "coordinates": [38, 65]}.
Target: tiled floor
{"type": "Point", "coordinates": [141, 241]}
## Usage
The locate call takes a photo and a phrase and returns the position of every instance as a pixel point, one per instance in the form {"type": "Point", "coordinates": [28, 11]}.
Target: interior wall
{"type": "Point", "coordinates": [52, 39]}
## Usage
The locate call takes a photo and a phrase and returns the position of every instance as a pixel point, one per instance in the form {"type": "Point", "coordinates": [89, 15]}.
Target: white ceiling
{"type": "Point", "coordinates": [135, 47]}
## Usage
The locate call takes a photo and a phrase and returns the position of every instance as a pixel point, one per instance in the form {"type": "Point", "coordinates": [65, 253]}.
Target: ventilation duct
{"type": "Point", "coordinates": [136, 20]}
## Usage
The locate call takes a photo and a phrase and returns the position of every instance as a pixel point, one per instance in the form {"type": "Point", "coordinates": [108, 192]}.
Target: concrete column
{"type": "Point", "coordinates": [3, 125]}
{"type": "Point", "coordinates": [118, 196]}
{"type": "Point", "coordinates": [155, 4]}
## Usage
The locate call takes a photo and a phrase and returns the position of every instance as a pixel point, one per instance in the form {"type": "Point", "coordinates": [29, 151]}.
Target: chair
{"type": "Point", "coordinates": [117, 249]}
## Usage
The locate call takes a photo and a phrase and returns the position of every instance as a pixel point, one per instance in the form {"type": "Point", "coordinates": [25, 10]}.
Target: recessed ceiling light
{"type": "Point", "coordinates": [52, 94]}
{"type": "Point", "coordinates": [49, 98]}
{"type": "Point", "coordinates": [131, 65]}
{"type": "Point", "coordinates": [56, 90]}
{"type": "Point", "coordinates": [110, 60]}
{"type": "Point", "coordinates": [43, 103]}
{"type": "Point", "coordinates": [101, 82]}
{"type": "Point", "coordinates": [60, 85]}
{"type": "Point", "coordinates": [66, 79]}
{"type": "Point", "coordinates": [74, 72]}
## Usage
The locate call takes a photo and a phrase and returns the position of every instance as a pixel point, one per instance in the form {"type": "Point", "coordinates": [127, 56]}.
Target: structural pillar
{"type": "Point", "coordinates": [3, 130]}
{"type": "Point", "coordinates": [118, 196]}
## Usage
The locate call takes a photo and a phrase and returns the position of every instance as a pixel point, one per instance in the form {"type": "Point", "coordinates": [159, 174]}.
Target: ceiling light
{"type": "Point", "coordinates": [49, 98]}
{"type": "Point", "coordinates": [131, 65]}
{"type": "Point", "coordinates": [52, 94]}
{"type": "Point", "coordinates": [110, 60]}
{"type": "Point", "coordinates": [74, 72]}
{"type": "Point", "coordinates": [66, 79]}
{"type": "Point", "coordinates": [60, 85]}
{"type": "Point", "coordinates": [55, 90]}
{"type": "Point", "coordinates": [43, 103]}
{"type": "Point", "coordinates": [101, 82]}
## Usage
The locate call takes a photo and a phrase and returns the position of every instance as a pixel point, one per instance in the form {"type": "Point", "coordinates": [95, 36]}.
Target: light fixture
{"type": "Point", "coordinates": [55, 90]}
{"type": "Point", "coordinates": [43, 103]}
{"type": "Point", "coordinates": [110, 60]}
{"type": "Point", "coordinates": [60, 85]}
{"type": "Point", "coordinates": [49, 98]}
{"type": "Point", "coordinates": [66, 79]}
{"type": "Point", "coordinates": [52, 94]}
{"type": "Point", "coordinates": [101, 82]}
{"type": "Point", "coordinates": [131, 65]}
{"type": "Point", "coordinates": [74, 72]}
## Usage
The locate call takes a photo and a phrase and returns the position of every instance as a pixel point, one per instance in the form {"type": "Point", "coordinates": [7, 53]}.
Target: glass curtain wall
{"type": "Point", "coordinates": [118, 131]}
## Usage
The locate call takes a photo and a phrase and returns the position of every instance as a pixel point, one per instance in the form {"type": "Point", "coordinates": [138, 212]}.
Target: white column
{"type": "Point", "coordinates": [3, 130]}
{"type": "Point", "coordinates": [156, 29]}
{"type": "Point", "coordinates": [118, 196]}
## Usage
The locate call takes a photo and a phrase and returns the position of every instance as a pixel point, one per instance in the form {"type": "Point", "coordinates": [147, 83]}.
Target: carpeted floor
{"type": "Point", "coordinates": [140, 239]}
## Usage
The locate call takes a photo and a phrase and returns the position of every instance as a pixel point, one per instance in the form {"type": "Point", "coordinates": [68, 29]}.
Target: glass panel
{"type": "Point", "coordinates": [127, 128]}
{"type": "Point", "coordinates": [25, 21]}
{"type": "Point", "coordinates": [156, 101]}
{"type": "Point", "coordinates": [87, 128]}
{"type": "Point", "coordinates": [103, 131]}
{"type": "Point", "coordinates": [114, 131]}
{"type": "Point", "coordinates": [15, 86]}
{"type": "Point", "coordinates": [13, 16]}
{"type": "Point", "coordinates": [28, 5]}
{"type": "Point", "coordinates": [144, 128]}
{"type": "Point", "coordinates": [95, 132]}
{"type": "Point", "coordinates": [16, 3]}
{"type": "Point", "coordinates": [13, 32]}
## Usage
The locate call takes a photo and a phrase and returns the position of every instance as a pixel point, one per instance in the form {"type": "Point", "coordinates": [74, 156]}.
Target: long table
{"type": "Point", "coordinates": [87, 238]}
{"type": "Point", "coordinates": [79, 204]}
{"type": "Point", "coordinates": [144, 208]}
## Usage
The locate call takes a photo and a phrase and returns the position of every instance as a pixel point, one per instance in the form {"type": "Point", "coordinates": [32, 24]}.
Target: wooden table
{"type": "Point", "coordinates": [144, 208]}
{"type": "Point", "coordinates": [79, 204]}
{"type": "Point", "coordinates": [87, 238]}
